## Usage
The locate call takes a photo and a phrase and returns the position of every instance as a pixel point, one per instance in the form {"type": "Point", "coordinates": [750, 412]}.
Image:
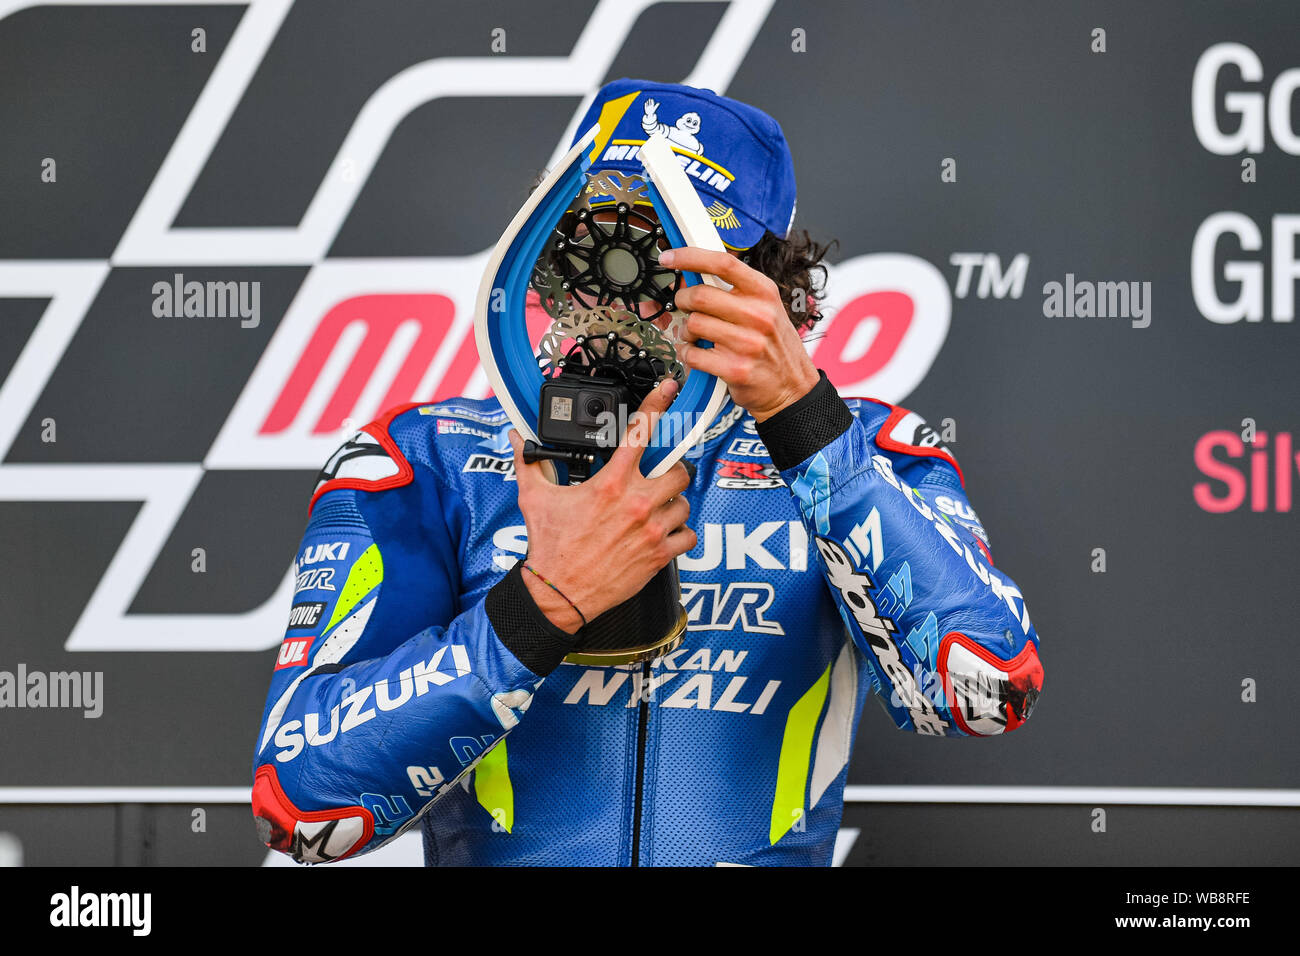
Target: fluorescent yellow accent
{"type": "Point", "coordinates": [678, 149]}
{"type": "Point", "coordinates": [492, 786]}
{"type": "Point", "coordinates": [365, 576]}
{"type": "Point", "coordinates": [796, 753]}
{"type": "Point", "coordinates": [610, 114]}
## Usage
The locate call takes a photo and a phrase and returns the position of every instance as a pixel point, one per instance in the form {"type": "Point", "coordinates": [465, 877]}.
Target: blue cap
{"type": "Point", "coordinates": [735, 155]}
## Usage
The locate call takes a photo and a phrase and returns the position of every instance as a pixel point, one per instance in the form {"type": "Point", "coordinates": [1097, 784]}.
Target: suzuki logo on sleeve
{"type": "Point", "coordinates": [315, 553]}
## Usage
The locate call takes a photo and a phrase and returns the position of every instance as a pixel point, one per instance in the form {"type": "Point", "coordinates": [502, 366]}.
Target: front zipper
{"type": "Point", "coordinates": [642, 722]}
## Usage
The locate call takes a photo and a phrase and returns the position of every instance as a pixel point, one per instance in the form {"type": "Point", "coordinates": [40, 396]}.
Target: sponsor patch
{"type": "Point", "coordinates": [472, 414]}
{"type": "Point", "coordinates": [748, 474]}
{"type": "Point", "coordinates": [316, 579]}
{"type": "Point", "coordinates": [305, 614]}
{"type": "Point", "coordinates": [450, 426]}
{"type": "Point", "coordinates": [858, 593]}
{"type": "Point", "coordinates": [748, 447]}
{"type": "Point", "coordinates": [505, 467]}
{"type": "Point", "coordinates": [293, 652]}
{"type": "Point", "coordinates": [723, 424]}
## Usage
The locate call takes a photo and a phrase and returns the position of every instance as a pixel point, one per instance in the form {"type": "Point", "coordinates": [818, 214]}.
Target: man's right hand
{"type": "Point", "coordinates": [600, 542]}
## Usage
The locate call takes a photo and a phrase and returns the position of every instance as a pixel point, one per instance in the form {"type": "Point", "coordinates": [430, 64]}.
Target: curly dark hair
{"type": "Point", "coordinates": [795, 265]}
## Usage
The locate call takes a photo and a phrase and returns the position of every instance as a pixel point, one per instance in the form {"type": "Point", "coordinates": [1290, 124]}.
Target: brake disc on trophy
{"type": "Point", "coordinates": [586, 245]}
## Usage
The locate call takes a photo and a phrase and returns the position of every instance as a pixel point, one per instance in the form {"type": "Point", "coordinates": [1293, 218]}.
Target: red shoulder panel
{"type": "Point", "coordinates": [369, 461]}
{"type": "Point", "coordinates": [887, 440]}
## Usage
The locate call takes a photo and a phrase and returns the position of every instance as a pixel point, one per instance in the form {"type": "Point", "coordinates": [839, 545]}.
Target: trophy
{"type": "Point", "coordinates": [576, 323]}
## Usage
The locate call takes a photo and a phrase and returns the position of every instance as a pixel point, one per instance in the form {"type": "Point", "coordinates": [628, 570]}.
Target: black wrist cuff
{"type": "Point", "coordinates": [523, 628]}
{"type": "Point", "coordinates": [798, 432]}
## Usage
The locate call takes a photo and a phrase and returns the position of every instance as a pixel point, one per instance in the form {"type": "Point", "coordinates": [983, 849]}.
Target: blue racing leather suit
{"type": "Point", "coordinates": [837, 556]}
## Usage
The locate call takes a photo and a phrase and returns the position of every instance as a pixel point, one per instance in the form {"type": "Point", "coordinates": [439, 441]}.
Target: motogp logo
{"type": "Point", "coordinates": [367, 332]}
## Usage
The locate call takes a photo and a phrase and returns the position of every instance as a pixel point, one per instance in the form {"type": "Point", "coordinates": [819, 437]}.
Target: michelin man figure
{"type": "Point", "coordinates": [683, 133]}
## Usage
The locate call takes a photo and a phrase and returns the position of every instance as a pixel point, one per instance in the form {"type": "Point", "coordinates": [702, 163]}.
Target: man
{"type": "Point", "coordinates": [830, 552]}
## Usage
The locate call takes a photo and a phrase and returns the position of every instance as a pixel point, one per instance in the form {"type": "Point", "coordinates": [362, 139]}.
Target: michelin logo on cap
{"type": "Point", "coordinates": [682, 132]}
{"type": "Point", "coordinates": [736, 154]}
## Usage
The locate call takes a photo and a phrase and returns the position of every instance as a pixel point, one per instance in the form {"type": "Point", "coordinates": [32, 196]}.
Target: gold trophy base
{"type": "Point", "coordinates": [633, 655]}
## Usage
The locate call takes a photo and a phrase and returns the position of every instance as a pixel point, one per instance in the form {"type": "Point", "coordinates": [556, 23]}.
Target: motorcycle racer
{"type": "Point", "coordinates": [826, 548]}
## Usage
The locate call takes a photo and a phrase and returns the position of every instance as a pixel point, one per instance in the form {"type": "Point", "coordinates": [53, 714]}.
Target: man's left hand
{"type": "Point", "coordinates": [756, 348]}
